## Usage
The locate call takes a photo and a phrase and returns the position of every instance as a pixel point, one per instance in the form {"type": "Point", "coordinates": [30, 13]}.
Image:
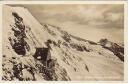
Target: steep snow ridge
{"type": "Point", "coordinates": [68, 57]}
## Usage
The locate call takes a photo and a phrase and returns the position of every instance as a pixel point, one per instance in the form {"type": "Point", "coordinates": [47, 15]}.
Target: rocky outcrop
{"type": "Point", "coordinates": [18, 42]}
{"type": "Point", "coordinates": [26, 72]}
{"type": "Point", "coordinates": [114, 47]}
{"type": "Point", "coordinates": [33, 52]}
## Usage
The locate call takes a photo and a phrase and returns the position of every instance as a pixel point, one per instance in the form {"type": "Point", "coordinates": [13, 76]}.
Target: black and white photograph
{"type": "Point", "coordinates": [63, 42]}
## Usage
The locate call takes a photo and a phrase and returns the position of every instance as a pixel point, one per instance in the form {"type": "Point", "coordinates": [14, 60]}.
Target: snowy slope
{"type": "Point", "coordinates": [73, 58]}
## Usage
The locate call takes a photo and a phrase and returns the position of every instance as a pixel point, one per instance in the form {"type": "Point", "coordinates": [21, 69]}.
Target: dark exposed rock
{"type": "Point", "coordinates": [17, 16]}
{"type": "Point", "coordinates": [65, 44]}
{"type": "Point", "coordinates": [64, 49]}
{"type": "Point", "coordinates": [66, 37]}
{"type": "Point", "coordinates": [115, 48]}
{"type": "Point", "coordinates": [86, 67]}
{"type": "Point", "coordinates": [18, 43]}
{"type": "Point", "coordinates": [86, 49]}
{"type": "Point", "coordinates": [4, 55]}
{"type": "Point", "coordinates": [79, 47]}
{"type": "Point", "coordinates": [19, 48]}
{"type": "Point", "coordinates": [17, 68]}
{"type": "Point", "coordinates": [49, 31]}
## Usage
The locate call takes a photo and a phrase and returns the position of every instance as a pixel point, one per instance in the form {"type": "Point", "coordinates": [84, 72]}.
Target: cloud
{"type": "Point", "coordinates": [84, 20]}
{"type": "Point", "coordinates": [94, 15]}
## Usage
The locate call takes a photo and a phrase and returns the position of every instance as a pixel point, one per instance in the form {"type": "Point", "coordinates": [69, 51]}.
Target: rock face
{"type": "Point", "coordinates": [32, 51]}
{"type": "Point", "coordinates": [18, 42]}
{"type": "Point", "coordinates": [113, 47]}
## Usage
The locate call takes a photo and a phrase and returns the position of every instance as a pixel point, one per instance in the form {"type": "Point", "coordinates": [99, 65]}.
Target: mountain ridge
{"type": "Point", "coordinates": [32, 51]}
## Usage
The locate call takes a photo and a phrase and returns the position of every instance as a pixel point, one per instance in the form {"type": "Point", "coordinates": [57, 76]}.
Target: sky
{"type": "Point", "coordinates": [88, 21]}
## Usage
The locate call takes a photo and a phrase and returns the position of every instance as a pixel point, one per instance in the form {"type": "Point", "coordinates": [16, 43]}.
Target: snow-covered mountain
{"type": "Point", "coordinates": [34, 51]}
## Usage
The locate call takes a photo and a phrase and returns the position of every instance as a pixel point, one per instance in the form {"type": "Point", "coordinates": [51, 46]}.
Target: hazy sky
{"type": "Point", "coordinates": [89, 21]}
